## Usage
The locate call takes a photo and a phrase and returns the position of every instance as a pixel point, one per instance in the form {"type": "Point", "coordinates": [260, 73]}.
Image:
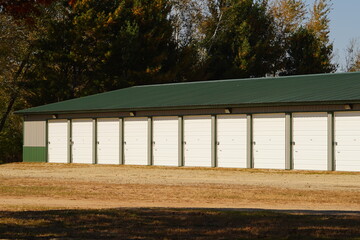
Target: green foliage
{"type": "Point", "coordinates": [305, 44]}
{"type": "Point", "coordinates": [307, 54]}
{"type": "Point", "coordinates": [96, 46]}
{"type": "Point", "coordinates": [239, 39]}
{"type": "Point", "coordinates": [11, 135]}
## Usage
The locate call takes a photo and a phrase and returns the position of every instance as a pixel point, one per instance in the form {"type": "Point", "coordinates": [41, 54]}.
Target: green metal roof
{"type": "Point", "coordinates": [294, 90]}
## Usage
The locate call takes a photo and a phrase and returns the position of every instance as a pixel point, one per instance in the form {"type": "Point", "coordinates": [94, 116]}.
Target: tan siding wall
{"type": "Point", "coordinates": [41, 117]}
{"type": "Point", "coordinates": [35, 133]}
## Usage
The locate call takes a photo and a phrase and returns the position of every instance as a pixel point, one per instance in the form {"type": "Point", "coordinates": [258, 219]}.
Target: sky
{"type": "Point", "coordinates": [344, 26]}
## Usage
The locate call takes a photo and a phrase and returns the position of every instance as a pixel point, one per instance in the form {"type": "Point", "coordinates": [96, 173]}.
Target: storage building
{"type": "Point", "coordinates": [309, 122]}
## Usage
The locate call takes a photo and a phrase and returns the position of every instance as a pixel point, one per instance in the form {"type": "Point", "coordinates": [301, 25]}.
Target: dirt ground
{"type": "Point", "coordinates": [38, 186]}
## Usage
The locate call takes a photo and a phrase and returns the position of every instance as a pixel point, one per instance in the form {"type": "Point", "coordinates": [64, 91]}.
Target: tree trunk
{"type": "Point", "coordinates": [6, 114]}
{"type": "Point", "coordinates": [15, 93]}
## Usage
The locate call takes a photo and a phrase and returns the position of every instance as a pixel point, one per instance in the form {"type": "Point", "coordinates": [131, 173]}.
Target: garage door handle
{"type": "Point", "coordinates": [98, 142]}
{"type": "Point", "coordinates": [154, 142]}
{"type": "Point", "coordinates": [124, 143]}
{"type": "Point", "coordinates": [335, 143]}
{"type": "Point", "coordinates": [218, 143]}
{"type": "Point", "coordinates": [293, 143]}
{"type": "Point", "coordinates": [254, 143]}
{"type": "Point", "coordinates": [48, 142]}
{"type": "Point", "coordinates": [184, 142]}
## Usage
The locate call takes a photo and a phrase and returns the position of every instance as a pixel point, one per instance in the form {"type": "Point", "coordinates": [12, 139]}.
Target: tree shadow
{"type": "Point", "coordinates": [165, 223]}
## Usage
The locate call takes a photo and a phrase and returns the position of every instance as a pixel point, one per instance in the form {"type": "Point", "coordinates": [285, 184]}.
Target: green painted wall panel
{"type": "Point", "coordinates": [34, 154]}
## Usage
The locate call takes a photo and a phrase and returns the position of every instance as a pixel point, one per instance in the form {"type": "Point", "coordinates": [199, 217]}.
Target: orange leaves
{"type": "Point", "coordinates": [138, 11]}
{"type": "Point", "coordinates": [153, 70]}
{"type": "Point", "coordinates": [72, 2]}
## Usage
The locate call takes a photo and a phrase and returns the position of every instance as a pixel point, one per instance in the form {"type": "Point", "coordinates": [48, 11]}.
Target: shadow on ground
{"type": "Point", "coordinates": [161, 223]}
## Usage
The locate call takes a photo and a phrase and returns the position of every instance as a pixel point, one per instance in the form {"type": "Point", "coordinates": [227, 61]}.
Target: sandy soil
{"type": "Point", "coordinates": [59, 186]}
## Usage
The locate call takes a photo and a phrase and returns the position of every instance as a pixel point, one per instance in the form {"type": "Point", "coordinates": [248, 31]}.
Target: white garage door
{"type": "Point", "coordinates": [231, 141]}
{"type": "Point", "coordinates": [197, 141]}
{"type": "Point", "coordinates": [165, 141]}
{"type": "Point", "coordinates": [269, 141]}
{"type": "Point", "coordinates": [136, 141]}
{"type": "Point", "coordinates": [310, 139]}
{"type": "Point", "coordinates": [58, 141]}
{"type": "Point", "coordinates": [347, 138]}
{"type": "Point", "coordinates": [108, 138]}
{"type": "Point", "coordinates": [82, 138]}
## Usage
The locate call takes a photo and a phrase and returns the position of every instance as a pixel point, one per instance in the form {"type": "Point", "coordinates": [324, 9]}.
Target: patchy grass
{"type": "Point", "coordinates": [50, 166]}
{"type": "Point", "coordinates": [138, 186]}
{"type": "Point", "coordinates": [229, 195]}
{"type": "Point", "coordinates": [155, 223]}
{"type": "Point", "coordinates": [73, 201]}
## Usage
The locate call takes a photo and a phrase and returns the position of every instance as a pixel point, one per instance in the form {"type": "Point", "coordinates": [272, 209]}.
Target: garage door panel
{"type": "Point", "coordinates": [136, 157]}
{"type": "Point", "coordinates": [266, 154]}
{"type": "Point", "coordinates": [198, 162]}
{"type": "Point", "coordinates": [166, 141]}
{"type": "Point", "coordinates": [349, 155]}
{"type": "Point", "coordinates": [269, 141]}
{"type": "Point", "coordinates": [82, 138]}
{"type": "Point", "coordinates": [108, 138]}
{"type": "Point", "coordinates": [347, 148]}
{"type": "Point", "coordinates": [136, 141]}
{"type": "Point", "coordinates": [232, 146]}
{"type": "Point", "coordinates": [136, 147]}
{"type": "Point", "coordinates": [347, 136]}
{"type": "Point", "coordinates": [310, 137]}
{"type": "Point", "coordinates": [310, 140]}
{"type": "Point", "coordinates": [264, 131]}
{"type": "Point", "coordinates": [58, 141]}
{"type": "Point", "coordinates": [195, 152]}
{"type": "Point", "coordinates": [309, 122]}
{"type": "Point", "coordinates": [197, 138]}
{"type": "Point", "coordinates": [314, 155]}
{"type": "Point", "coordinates": [312, 166]}
{"type": "Point", "coordinates": [270, 147]}
{"type": "Point", "coordinates": [345, 127]}
{"type": "Point", "coordinates": [275, 140]}
{"type": "Point", "coordinates": [315, 134]}
{"type": "Point", "coordinates": [264, 163]}
{"type": "Point", "coordinates": [311, 149]}
{"type": "Point", "coordinates": [202, 134]}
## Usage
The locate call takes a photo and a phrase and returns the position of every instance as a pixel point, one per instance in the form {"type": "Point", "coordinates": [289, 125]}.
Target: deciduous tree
{"type": "Point", "coordinates": [239, 39]}
{"type": "Point", "coordinates": [352, 56]}
{"type": "Point", "coordinates": [305, 42]}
